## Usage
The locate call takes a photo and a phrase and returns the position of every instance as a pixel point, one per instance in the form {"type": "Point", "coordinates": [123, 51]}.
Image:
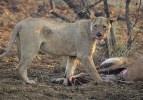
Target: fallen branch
{"type": "Point", "coordinates": [96, 3]}
{"type": "Point", "coordinates": [111, 41]}
{"type": "Point", "coordinates": [61, 16]}
{"type": "Point", "coordinates": [106, 8]}
{"type": "Point", "coordinates": [129, 26]}
{"type": "Point", "coordinates": [55, 13]}
{"type": "Point", "coordinates": [137, 15]}
{"type": "Point", "coordinates": [82, 11]}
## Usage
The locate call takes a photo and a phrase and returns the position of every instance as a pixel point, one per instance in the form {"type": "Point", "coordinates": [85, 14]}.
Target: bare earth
{"type": "Point", "coordinates": [43, 70]}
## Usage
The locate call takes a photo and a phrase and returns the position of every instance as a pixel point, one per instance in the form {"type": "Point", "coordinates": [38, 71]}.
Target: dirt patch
{"type": "Point", "coordinates": [12, 88]}
{"type": "Point", "coordinates": [44, 68]}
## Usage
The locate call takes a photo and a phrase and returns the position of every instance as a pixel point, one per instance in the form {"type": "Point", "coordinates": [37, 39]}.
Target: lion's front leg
{"type": "Point", "coordinates": [70, 77]}
{"type": "Point", "coordinates": [69, 72]}
{"type": "Point", "coordinates": [90, 67]}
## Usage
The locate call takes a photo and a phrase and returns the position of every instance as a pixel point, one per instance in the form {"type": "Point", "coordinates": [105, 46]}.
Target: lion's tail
{"type": "Point", "coordinates": [11, 41]}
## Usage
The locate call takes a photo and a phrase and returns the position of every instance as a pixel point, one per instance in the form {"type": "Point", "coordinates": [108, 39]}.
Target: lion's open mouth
{"type": "Point", "coordinates": [99, 38]}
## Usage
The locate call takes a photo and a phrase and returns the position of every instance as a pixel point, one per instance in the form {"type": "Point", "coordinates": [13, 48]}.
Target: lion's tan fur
{"type": "Point", "coordinates": [58, 38]}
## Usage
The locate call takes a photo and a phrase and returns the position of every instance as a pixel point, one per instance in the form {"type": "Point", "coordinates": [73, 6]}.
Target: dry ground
{"type": "Point", "coordinates": [46, 68]}
{"type": "Point", "coordinates": [12, 88]}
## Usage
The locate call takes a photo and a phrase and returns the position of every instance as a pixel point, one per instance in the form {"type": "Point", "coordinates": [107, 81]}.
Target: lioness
{"type": "Point", "coordinates": [74, 40]}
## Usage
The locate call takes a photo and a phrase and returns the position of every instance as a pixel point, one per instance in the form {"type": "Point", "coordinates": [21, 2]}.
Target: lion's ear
{"type": "Point", "coordinates": [92, 15]}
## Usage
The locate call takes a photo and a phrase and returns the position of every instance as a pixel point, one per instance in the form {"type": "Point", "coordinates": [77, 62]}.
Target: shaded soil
{"type": "Point", "coordinates": [12, 88]}
{"type": "Point", "coordinates": [44, 68]}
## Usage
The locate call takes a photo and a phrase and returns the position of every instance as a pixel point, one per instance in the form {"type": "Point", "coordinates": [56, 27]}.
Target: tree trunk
{"type": "Point", "coordinates": [129, 26]}
{"type": "Point", "coordinates": [111, 41]}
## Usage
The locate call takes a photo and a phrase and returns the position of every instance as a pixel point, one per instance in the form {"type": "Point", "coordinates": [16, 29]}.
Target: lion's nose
{"type": "Point", "coordinates": [98, 34]}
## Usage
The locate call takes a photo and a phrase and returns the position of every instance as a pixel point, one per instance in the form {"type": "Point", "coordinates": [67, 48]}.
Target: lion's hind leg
{"type": "Point", "coordinates": [28, 52]}
{"type": "Point", "coordinates": [22, 69]}
{"type": "Point", "coordinates": [69, 72]}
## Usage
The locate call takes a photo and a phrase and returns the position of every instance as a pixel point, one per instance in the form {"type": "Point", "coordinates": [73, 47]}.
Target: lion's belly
{"type": "Point", "coordinates": [59, 45]}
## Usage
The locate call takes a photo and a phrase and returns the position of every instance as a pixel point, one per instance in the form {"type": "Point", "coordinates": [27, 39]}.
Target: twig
{"type": "Point", "coordinates": [129, 26]}
{"type": "Point", "coordinates": [53, 11]}
{"type": "Point", "coordinates": [106, 8]}
{"type": "Point", "coordinates": [96, 3]}
{"type": "Point", "coordinates": [125, 82]}
{"type": "Point", "coordinates": [85, 7]}
{"type": "Point", "coordinates": [71, 5]}
{"type": "Point", "coordinates": [61, 16]}
{"type": "Point", "coordinates": [137, 16]}
{"type": "Point", "coordinates": [136, 20]}
{"type": "Point", "coordinates": [111, 41]}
